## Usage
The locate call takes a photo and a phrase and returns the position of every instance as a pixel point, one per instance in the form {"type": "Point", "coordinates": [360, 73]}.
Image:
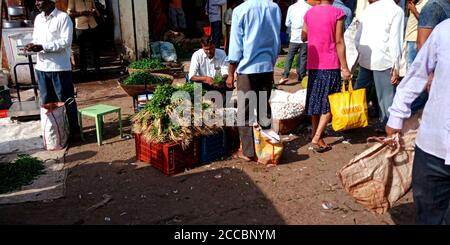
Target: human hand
{"type": "Point", "coordinates": [34, 48]}
{"type": "Point", "coordinates": [230, 82]}
{"type": "Point", "coordinates": [392, 131]}
{"type": "Point", "coordinates": [28, 47]}
{"type": "Point", "coordinates": [86, 13]}
{"type": "Point", "coordinates": [209, 81]}
{"type": "Point", "coordinates": [412, 6]}
{"type": "Point", "coordinates": [346, 74]}
{"type": "Point", "coordinates": [394, 77]}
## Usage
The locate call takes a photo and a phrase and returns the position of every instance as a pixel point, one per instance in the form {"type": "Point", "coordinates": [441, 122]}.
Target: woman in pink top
{"type": "Point", "coordinates": [324, 30]}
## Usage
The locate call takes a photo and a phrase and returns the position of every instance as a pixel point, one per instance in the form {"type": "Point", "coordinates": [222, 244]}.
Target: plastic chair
{"type": "Point", "coordinates": [97, 112]}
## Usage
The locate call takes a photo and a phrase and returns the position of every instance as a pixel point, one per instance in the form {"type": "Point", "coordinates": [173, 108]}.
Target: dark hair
{"type": "Point", "coordinates": [206, 41]}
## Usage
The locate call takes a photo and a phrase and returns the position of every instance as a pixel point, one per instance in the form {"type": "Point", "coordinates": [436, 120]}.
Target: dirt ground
{"type": "Point", "coordinates": [222, 192]}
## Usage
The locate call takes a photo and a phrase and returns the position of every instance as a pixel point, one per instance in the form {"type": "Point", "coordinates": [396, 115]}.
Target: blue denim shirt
{"type": "Point", "coordinates": [347, 11]}
{"type": "Point", "coordinates": [255, 36]}
{"type": "Point", "coordinates": [434, 13]}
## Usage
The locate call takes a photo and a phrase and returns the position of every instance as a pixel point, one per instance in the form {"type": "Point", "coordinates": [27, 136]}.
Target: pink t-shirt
{"type": "Point", "coordinates": [321, 21]}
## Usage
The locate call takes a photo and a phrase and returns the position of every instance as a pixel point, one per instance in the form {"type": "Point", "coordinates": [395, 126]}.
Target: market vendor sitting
{"type": "Point", "coordinates": [208, 66]}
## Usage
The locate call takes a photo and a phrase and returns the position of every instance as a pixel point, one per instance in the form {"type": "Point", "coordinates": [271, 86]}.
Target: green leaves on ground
{"type": "Point", "coordinates": [19, 173]}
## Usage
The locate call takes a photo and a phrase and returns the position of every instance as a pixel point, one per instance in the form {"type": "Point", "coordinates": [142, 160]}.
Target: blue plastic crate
{"type": "Point", "coordinates": [212, 147]}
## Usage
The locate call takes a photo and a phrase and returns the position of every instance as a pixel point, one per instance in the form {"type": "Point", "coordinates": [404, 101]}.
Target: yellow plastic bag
{"type": "Point", "coordinates": [349, 109]}
{"type": "Point", "coordinates": [267, 153]}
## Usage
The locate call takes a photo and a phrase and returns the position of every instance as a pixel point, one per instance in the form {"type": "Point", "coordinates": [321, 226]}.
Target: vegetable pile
{"type": "Point", "coordinates": [140, 78]}
{"type": "Point", "coordinates": [219, 80]}
{"type": "Point", "coordinates": [155, 121]}
{"type": "Point", "coordinates": [19, 173]}
{"type": "Point", "coordinates": [147, 64]}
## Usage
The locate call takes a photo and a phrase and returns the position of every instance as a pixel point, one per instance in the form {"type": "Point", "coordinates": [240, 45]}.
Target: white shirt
{"type": "Point", "coordinates": [379, 37]}
{"type": "Point", "coordinates": [54, 33]}
{"type": "Point", "coordinates": [201, 65]}
{"type": "Point", "coordinates": [294, 19]}
{"type": "Point", "coordinates": [434, 132]}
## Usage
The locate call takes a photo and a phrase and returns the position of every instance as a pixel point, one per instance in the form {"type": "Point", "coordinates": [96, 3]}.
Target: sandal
{"type": "Point", "coordinates": [322, 149]}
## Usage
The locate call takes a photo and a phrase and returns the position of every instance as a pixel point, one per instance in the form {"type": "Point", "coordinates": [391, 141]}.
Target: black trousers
{"type": "Point", "coordinates": [431, 189]}
{"type": "Point", "coordinates": [257, 83]}
{"type": "Point", "coordinates": [88, 39]}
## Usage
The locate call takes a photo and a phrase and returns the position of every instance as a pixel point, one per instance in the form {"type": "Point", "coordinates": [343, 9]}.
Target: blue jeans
{"type": "Point", "coordinates": [412, 52]}
{"type": "Point", "coordinates": [58, 87]}
{"type": "Point", "coordinates": [301, 50]}
{"type": "Point", "coordinates": [431, 189]}
{"type": "Point", "coordinates": [383, 86]}
{"type": "Point", "coordinates": [216, 32]}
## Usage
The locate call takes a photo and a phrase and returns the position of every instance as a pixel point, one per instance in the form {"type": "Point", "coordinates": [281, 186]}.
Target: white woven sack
{"type": "Point", "coordinates": [54, 126]}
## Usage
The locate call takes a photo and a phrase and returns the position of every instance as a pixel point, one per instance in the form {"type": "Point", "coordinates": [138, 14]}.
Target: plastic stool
{"type": "Point", "coordinates": [97, 112]}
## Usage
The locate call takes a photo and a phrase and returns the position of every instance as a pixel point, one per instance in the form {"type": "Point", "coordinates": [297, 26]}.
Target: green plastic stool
{"type": "Point", "coordinates": [97, 112]}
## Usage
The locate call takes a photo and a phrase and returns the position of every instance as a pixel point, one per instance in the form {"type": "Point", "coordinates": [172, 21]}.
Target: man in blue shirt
{"type": "Point", "coordinates": [213, 10]}
{"type": "Point", "coordinates": [254, 47]}
{"type": "Point", "coordinates": [348, 12]}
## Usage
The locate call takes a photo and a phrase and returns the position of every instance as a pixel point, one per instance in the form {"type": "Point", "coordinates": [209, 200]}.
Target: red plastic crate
{"type": "Point", "coordinates": [169, 158]}
{"type": "Point", "coordinates": [3, 113]}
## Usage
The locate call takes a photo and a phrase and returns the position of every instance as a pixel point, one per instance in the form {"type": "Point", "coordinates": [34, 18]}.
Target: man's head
{"type": "Point", "coordinates": [208, 47]}
{"type": "Point", "coordinates": [313, 2]}
{"type": "Point", "coordinates": [45, 5]}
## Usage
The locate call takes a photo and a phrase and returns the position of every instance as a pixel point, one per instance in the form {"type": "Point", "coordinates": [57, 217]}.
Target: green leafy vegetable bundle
{"type": "Point", "coordinates": [147, 64]}
{"type": "Point", "coordinates": [140, 78]}
{"type": "Point", "coordinates": [155, 124]}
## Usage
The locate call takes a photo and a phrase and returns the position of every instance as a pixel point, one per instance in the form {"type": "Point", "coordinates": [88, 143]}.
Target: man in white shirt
{"type": "Point", "coordinates": [294, 22]}
{"type": "Point", "coordinates": [52, 40]}
{"type": "Point", "coordinates": [431, 171]}
{"type": "Point", "coordinates": [208, 63]}
{"type": "Point", "coordinates": [379, 42]}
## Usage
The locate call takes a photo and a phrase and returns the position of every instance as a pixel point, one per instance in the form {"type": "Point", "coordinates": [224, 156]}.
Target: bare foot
{"type": "Point", "coordinates": [240, 155]}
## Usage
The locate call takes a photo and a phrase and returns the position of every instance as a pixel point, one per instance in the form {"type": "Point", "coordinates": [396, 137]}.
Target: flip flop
{"type": "Point", "coordinates": [322, 149]}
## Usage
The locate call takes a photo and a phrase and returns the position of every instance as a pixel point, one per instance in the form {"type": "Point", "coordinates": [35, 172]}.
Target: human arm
{"type": "Point", "coordinates": [231, 71]}
{"type": "Point", "coordinates": [203, 79]}
{"type": "Point", "coordinates": [340, 47]}
{"type": "Point", "coordinates": [395, 45]}
{"type": "Point", "coordinates": [413, 9]}
{"type": "Point", "coordinates": [422, 36]}
{"type": "Point", "coordinates": [304, 33]}
{"type": "Point", "coordinates": [430, 17]}
{"type": "Point", "coordinates": [288, 18]}
{"type": "Point", "coordinates": [412, 85]}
